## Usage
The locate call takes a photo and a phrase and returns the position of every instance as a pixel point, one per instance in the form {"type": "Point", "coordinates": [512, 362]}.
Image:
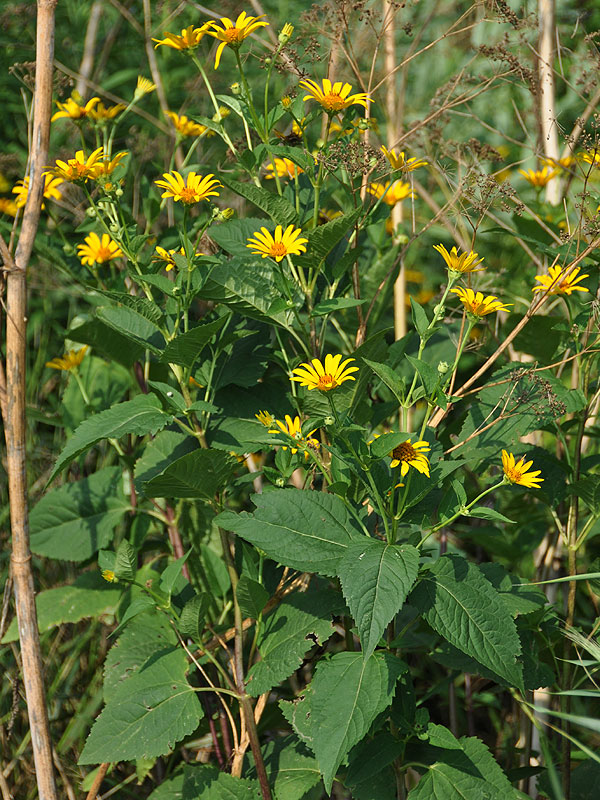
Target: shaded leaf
{"type": "Point", "coordinates": [200, 473]}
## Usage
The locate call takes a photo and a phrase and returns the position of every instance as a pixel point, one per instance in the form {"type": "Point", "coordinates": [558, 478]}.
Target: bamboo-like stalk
{"type": "Point", "coordinates": [14, 420]}
{"type": "Point", "coordinates": [91, 34]}
{"type": "Point", "coordinates": [547, 113]}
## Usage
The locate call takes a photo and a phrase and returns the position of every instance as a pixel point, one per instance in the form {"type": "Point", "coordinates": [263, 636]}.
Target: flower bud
{"type": "Point", "coordinates": [68, 249]}
{"type": "Point", "coordinates": [268, 61]}
{"type": "Point", "coordinates": [280, 482]}
{"type": "Point", "coordinates": [236, 89]}
{"type": "Point", "coordinates": [286, 101]}
{"type": "Point", "coordinates": [119, 192]}
{"type": "Point", "coordinates": [113, 227]}
{"type": "Point", "coordinates": [286, 33]}
{"type": "Point", "coordinates": [329, 420]}
{"type": "Point", "coordinates": [90, 212]}
{"type": "Point", "coordinates": [443, 367]}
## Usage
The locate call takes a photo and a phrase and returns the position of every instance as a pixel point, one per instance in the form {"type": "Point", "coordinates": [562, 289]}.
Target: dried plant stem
{"type": "Point", "coordinates": [91, 34]}
{"type": "Point", "coordinates": [14, 420]}
{"type": "Point", "coordinates": [546, 110]}
{"type": "Point", "coordinates": [95, 788]}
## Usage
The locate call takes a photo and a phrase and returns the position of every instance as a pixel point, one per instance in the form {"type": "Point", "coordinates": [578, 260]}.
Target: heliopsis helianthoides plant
{"type": "Point", "coordinates": [327, 488]}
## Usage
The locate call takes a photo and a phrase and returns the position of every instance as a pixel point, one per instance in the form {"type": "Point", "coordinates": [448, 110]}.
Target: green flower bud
{"type": "Point", "coordinates": [90, 212]}
{"type": "Point", "coordinates": [236, 89]}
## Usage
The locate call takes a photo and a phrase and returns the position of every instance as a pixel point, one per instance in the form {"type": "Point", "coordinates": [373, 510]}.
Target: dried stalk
{"type": "Point", "coordinates": [14, 420]}
{"type": "Point", "coordinates": [91, 34]}
{"type": "Point", "coordinates": [546, 108]}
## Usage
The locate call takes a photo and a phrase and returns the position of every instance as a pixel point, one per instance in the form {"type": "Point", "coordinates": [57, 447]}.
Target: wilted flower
{"type": "Point", "coordinates": [478, 305]}
{"type": "Point", "coordinates": [144, 86]}
{"type": "Point", "coordinates": [266, 418]}
{"type": "Point", "coordinates": [516, 472]}
{"type": "Point", "coordinates": [391, 193]}
{"type": "Point", "coordinates": [70, 360]}
{"type": "Point", "coordinates": [315, 375]}
{"type": "Point", "coordinates": [74, 110]}
{"type": "Point", "coordinates": [286, 33]}
{"type": "Point", "coordinates": [333, 97]}
{"type": "Point", "coordinates": [109, 576]}
{"type": "Point", "coordinates": [51, 191]}
{"type": "Point", "coordinates": [399, 161]}
{"type": "Point", "coordinates": [284, 243]}
{"type": "Point", "coordinates": [558, 284]}
{"type": "Point", "coordinates": [97, 250]}
{"type": "Point", "coordinates": [233, 33]}
{"type": "Point", "coordinates": [191, 190]}
{"type": "Point", "coordinates": [465, 262]}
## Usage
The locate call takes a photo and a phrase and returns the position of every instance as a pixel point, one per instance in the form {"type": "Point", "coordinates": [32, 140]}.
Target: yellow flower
{"type": "Point", "coordinates": [189, 39]}
{"type": "Point", "coordinates": [284, 243]}
{"type": "Point", "coordinates": [70, 360]}
{"type": "Point", "coordinates": [79, 168]}
{"type": "Point", "coordinates": [315, 375]}
{"type": "Point", "coordinates": [399, 161]}
{"type": "Point", "coordinates": [51, 191]}
{"type": "Point", "coordinates": [106, 167]}
{"type": "Point", "coordinates": [515, 472]}
{"type": "Point", "coordinates": [478, 305]}
{"type": "Point", "coordinates": [185, 126]}
{"type": "Point", "coordinates": [191, 190]}
{"type": "Point", "coordinates": [101, 113]}
{"type": "Point", "coordinates": [109, 576]}
{"type": "Point", "coordinates": [286, 33]}
{"type": "Point", "coordinates": [591, 158]}
{"type": "Point", "coordinates": [4, 184]}
{"type": "Point", "coordinates": [266, 418]}
{"type": "Point", "coordinates": [167, 256]}
{"type": "Point", "coordinates": [233, 33]}
{"type": "Point", "coordinates": [327, 215]}
{"type": "Point", "coordinates": [333, 97]}
{"type": "Point", "coordinates": [465, 262]}
{"type": "Point", "coordinates": [361, 125]}
{"type": "Point", "coordinates": [98, 251]}
{"type": "Point", "coordinates": [284, 167]}
{"type": "Point", "coordinates": [74, 110]}
{"type": "Point", "coordinates": [143, 86]}
{"type": "Point", "coordinates": [391, 193]}
{"type": "Point", "coordinates": [293, 428]}
{"type": "Point", "coordinates": [286, 101]}
{"type": "Point", "coordinates": [8, 206]}
{"type": "Point", "coordinates": [559, 163]}
{"type": "Point", "coordinates": [559, 285]}
{"type": "Point", "coordinates": [539, 177]}
{"type": "Point", "coordinates": [407, 455]}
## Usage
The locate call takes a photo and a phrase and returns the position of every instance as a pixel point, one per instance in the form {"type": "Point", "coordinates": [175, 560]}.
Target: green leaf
{"type": "Point", "coordinates": [214, 572]}
{"type": "Point", "coordinates": [141, 305]}
{"type": "Point", "coordinates": [376, 579]}
{"type": "Point", "coordinates": [107, 342]}
{"type": "Point", "coordinates": [139, 416]}
{"type": "Point", "coordinates": [393, 381]}
{"type": "Point", "coordinates": [482, 512]}
{"type": "Point", "coordinates": [185, 348]}
{"type": "Point", "coordinates": [588, 489]}
{"type": "Point", "coordinates": [125, 562]}
{"type": "Point", "coordinates": [383, 445]}
{"type": "Point", "coordinates": [323, 238]}
{"type": "Point", "coordinates": [194, 614]}
{"type": "Point", "coordinates": [148, 713]}
{"type": "Point", "coordinates": [89, 596]}
{"type": "Point", "coordinates": [133, 326]}
{"type": "Point", "coordinates": [200, 473]}
{"type": "Point", "coordinates": [164, 449]}
{"type": "Point", "coordinates": [520, 597]}
{"type": "Point", "coordinates": [308, 531]}
{"type": "Point", "coordinates": [299, 622]}
{"type": "Point", "coordinates": [370, 757]}
{"type": "Point", "coordinates": [251, 596]}
{"type": "Point", "coordinates": [419, 317]}
{"type": "Point", "coordinates": [348, 693]}
{"type": "Point", "coordinates": [291, 769]}
{"type": "Point", "coordinates": [465, 609]}
{"type": "Point", "coordinates": [335, 304]}
{"type": "Point", "coordinates": [281, 211]}
{"type": "Point", "coordinates": [171, 574]}
{"type": "Point", "coordinates": [429, 376]}
{"type": "Point", "coordinates": [439, 736]}
{"type": "Point", "coordinates": [72, 522]}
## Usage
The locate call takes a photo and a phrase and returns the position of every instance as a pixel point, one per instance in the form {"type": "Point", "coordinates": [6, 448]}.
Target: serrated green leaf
{"type": "Point", "coordinates": [465, 609]}
{"type": "Point", "coordinates": [148, 713]}
{"type": "Point", "coordinates": [588, 489]}
{"type": "Point", "coordinates": [298, 622]}
{"type": "Point", "coordinates": [482, 512]}
{"type": "Point", "coordinates": [291, 768]}
{"type": "Point", "coordinates": [107, 342]}
{"type": "Point", "coordinates": [335, 304]}
{"type": "Point", "coordinates": [125, 562]}
{"type": "Point", "coordinates": [193, 615]}
{"type": "Point", "coordinates": [348, 693]}
{"type": "Point", "coordinates": [164, 449]}
{"type": "Point", "coordinates": [376, 578]}
{"type": "Point", "coordinates": [72, 522]}
{"type": "Point", "coordinates": [185, 348]}
{"type": "Point", "coordinates": [519, 597]}
{"type": "Point", "coordinates": [429, 376]}
{"type": "Point", "coordinates": [139, 416]}
{"type": "Point", "coordinates": [200, 473]}
{"type": "Point", "coordinates": [141, 305]}
{"type": "Point", "coordinates": [308, 531]}
{"type": "Point", "coordinates": [419, 317]}
{"type": "Point", "coordinates": [393, 381]}
{"type": "Point", "coordinates": [251, 596]}
{"type": "Point", "coordinates": [170, 575]}
{"type": "Point", "coordinates": [323, 238]}
{"type": "Point", "coordinates": [280, 210]}
{"type": "Point", "coordinates": [133, 326]}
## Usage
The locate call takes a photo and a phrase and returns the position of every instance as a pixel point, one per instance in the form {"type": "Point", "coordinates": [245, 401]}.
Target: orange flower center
{"type": "Point", "coordinates": [188, 194]}
{"type": "Point", "coordinates": [514, 474]}
{"type": "Point", "coordinates": [404, 452]}
{"type": "Point", "coordinates": [327, 382]}
{"type": "Point", "coordinates": [333, 102]}
{"type": "Point", "coordinates": [278, 249]}
{"type": "Point", "coordinates": [233, 35]}
{"type": "Point", "coordinates": [103, 254]}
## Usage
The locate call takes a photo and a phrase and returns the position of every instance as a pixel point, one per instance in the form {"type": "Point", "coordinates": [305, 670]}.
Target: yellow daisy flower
{"type": "Point", "coordinates": [328, 214]}
{"type": "Point", "coordinates": [233, 33]}
{"type": "Point", "coordinates": [293, 428]}
{"type": "Point", "coordinates": [539, 177]}
{"type": "Point", "coordinates": [191, 190]}
{"type": "Point", "coordinates": [465, 262]}
{"type": "Point", "coordinates": [284, 243]}
{"type": "Point", "coordinates": [591, 158]}
{"type": "Point", "coordinates": [167, 256]}
{"type": "Point", "coordinates": [399, 161]}
{"type": "Point", "coordinates": [70, 360]}
{"type": "Point", "coordinates": [107, 166]}
{"type": "Point", "coordinates": [185, 126]}
{"type": "Point", "coordinates": [516, 472]}
{"type": "Point", "coordinates": [51, 191]}
{"type": "Point", "coordinates": [559, 163]}
{"type": "Point", "coordinates": [391, 193]}
{"type": "Point", "coordinates": [189, 39]}
{"type": "Point", "coordinates": [557, 285]}
{"type": "Point", "coordinates": [284, 167]}
{"type": "Point", "coordinates": [79, 168]}
{"type": "Point", "coordinates": [8, 206]}
{"type": "Point", "coordinates": [102, 113]}
{"type": "Point", "coordinates": [109, 576]}
{"type": "Point", "coordinates": [74, 110]}
{"type": "Point", "coordinates": [407, 455]}
{"type": "Point", "coordinates": [327, 376]}
{"type": "Point", "coordinates": [143, 86]}
{"type": "Point", "coordinates": [98, 251]}
{"type": "Point", "coordinates": [478, 305]}
{"type": "Point", "coordinates": [266, 418]}
{"type": "Point", "coordinates": [333, 97]}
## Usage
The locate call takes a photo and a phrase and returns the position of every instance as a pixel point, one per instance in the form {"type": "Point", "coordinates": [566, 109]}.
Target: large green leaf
{"type": "Point", "coordinates": [322, 239]}
{"type": "Point", "coordinates": [166, 447]}
{"type": "Point", "coordinates": [308, 531]}
{"type": "Point", "coordinates": [185, 348]}
{"type": "Point", "coordinates": [139, 329]}
{"type": "Point", "coordinates": [139, 416]}
{"type": "Point", "coordinates": [281, 211]}
{"type": "Point", "coordinates": [376, 579]}
{"type": "Point", "coordinates": [147, 714]}
{"type": "Point", "coordinates": [205, 782]}
{"type": "Point", "coordinates": [348, 693]}
{"type": "Point", "coordinates": [74, 521]}
{"type": "Point", "coordinates": [291, 768]}
{"type": "Point", "coordinates": [299, 622]}
{"type": "Point", "coordinates": [88, 596]}
{"type": "Point", "coordinates": [107, 341]}
{"type": "Point", "coordinates": [200, 473]}
{"type": "Point", "coordinates": [463, 607]}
